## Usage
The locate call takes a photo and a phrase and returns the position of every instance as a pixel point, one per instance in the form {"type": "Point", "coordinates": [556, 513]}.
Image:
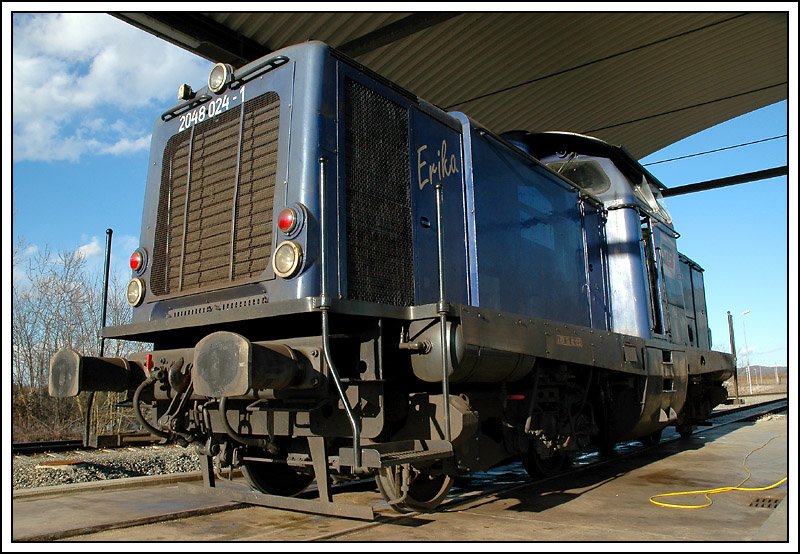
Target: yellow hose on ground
{"type": "Point", "coordinates": [707, 492]}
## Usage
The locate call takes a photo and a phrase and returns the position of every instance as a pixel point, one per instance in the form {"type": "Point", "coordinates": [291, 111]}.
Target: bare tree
{"type": "Point", "coordinates": [56, 303]}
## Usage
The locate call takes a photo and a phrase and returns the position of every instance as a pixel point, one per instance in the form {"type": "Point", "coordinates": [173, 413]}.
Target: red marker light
{"type": "Point", "coordinates": [287, 220]}
{"type": "Point", "coordinates": [137, 260]}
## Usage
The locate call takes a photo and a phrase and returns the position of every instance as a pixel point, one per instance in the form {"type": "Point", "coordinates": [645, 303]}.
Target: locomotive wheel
{"type": "Point", "coordinates": [652, 439]}
{"type": "Point", "coordinates": [685, 431]}
{"type": "Point", "coordinates": [425, 491]}
{"type": "Point", "coordinates": [275, 478]}
{"type": "Point", "coordinates": [538, 467]}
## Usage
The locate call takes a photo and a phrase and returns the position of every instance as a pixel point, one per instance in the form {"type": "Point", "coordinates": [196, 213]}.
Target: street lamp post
{"type": "Point", "coordinates": [747, 351]}
{"type": "Point", "coordinates": [735, 359]}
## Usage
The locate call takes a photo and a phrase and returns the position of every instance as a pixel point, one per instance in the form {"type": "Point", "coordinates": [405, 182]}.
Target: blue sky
{"type": "Point", "coordinates": [738, 234]}
{"type": "Point", "coordinates": [80, 155]}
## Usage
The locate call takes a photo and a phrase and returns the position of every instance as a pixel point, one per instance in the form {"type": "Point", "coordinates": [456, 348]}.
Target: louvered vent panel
{"type": "Point", "coordinates": [214, 225]}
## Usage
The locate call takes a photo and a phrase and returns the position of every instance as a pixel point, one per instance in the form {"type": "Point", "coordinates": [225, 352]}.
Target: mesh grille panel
{"type": "Point", "coordinates": [206, 206]}
{"type": "Point", "coordinates": [380, 257]}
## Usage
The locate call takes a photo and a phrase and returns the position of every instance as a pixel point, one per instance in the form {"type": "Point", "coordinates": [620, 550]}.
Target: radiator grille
{"type": "Point", "coordinates": [379, 246]}
{"type": "Point", "coordinates": [214, 223]}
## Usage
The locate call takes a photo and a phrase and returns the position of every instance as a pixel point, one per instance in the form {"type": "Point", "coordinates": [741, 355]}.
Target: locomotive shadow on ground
{"type": "Point", "coordinates": [544, 494]}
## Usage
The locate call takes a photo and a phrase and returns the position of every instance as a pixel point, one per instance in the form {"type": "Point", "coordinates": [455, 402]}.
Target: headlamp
{"type": "Point", "coordinates": [135, 292]}
{"type": "Point", "coordinates": [287, 259]}
{"type": "Point", "coordinates": [221, 74]}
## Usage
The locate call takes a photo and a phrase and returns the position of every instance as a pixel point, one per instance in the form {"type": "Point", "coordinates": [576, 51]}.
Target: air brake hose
{"type": "Point", "coordinates": [138, 413]}
{"type": "Point", "coordinates": [248, 441]}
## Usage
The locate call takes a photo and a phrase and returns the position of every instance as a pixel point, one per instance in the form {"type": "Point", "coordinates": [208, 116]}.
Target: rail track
{"type": "Point", "coordinates": [469, 491]}
{"type": "Point", "coordinates": [42, 447]}
{"type": "Point", "coordinates": [122, 440]}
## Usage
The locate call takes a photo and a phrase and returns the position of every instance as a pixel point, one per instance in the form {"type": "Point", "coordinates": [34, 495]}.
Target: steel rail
{"type": "Point", "coordinates": [122, 440]}
{"type": "Point", "coordinates": [41, 447]}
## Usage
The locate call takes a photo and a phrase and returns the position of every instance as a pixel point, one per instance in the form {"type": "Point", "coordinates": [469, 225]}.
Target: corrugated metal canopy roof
{"type": "Point", "coordinates": [643, 80]}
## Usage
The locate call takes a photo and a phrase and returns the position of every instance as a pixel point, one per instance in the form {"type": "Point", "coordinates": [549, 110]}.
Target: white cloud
{"type": "Point", "coordinates": [124, 245]}
{"type": "Point", "coordinates": [19, 278]}
{"type": "Point", "coordinates": [90, 84]}
{"type": "Point", "coordinates": [90, 250]}
{"type": "Point", "coordinates": [127, 146]}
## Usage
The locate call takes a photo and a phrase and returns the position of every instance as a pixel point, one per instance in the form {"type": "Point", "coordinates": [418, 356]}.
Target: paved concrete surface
{"type": "Point", "coordinates": [607, 503]}
{"type": "Point", "coordinates": [43, 517]}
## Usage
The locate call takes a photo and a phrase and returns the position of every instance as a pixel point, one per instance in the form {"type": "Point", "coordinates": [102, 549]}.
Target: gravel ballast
{"type": "Point", "coordinates": [63, 468]}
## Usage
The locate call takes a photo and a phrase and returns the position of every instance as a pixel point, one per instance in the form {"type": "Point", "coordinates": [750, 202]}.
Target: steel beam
{"type": "Point", "coordinates": [727, 181]}
{"type": "Point", "coordinates": [199, 34]}
{"type": "Point", "coordinates": [388, 34]}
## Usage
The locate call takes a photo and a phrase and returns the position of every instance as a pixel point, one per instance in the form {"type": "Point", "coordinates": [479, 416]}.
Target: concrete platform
{"type": "Point", "coordinates": [601, 504]}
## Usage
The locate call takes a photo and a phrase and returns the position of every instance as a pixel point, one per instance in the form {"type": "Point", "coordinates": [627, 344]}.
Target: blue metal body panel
{"type": "Point", "coordinates": [629, 296]}
{"type": "Point", "coordinates": [670, 273]}
{"type": "Point", "coordinates": [695, 303]}
{"type": "Point", "coordinates": [528, 245]}
{"type": "Point", "coordinates": [301, 124]}
{"type": "Point", "coordinates": [627, 281]}
{"type": "Point", "coordinates": [436, 157]}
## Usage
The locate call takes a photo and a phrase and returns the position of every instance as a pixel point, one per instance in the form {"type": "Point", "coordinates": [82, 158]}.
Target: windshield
{"type": "Point", "coordinates": [587, 174]}
{"type": "Point", "coordinates": [651, 196]}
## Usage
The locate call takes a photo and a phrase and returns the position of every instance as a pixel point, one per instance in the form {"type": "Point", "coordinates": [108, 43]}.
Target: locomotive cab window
{"type": "Point", "coordinates": [587, 174]}
{"type": "Point", "coordinates": [652, 199]}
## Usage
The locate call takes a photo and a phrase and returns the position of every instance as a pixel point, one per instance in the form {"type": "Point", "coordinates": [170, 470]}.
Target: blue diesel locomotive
{"type": "Point", "coordinates": [341, 279]}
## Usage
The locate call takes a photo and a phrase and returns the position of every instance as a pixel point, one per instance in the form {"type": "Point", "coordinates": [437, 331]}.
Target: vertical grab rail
{"type": "Point", "coordinates": [586, 277]}
{"type": "Point", "coordinates": [441, 309]}
{"type": "Point", "coordinates": [655, 271]}
{"type": "Point", "coordinates": [324, 306]}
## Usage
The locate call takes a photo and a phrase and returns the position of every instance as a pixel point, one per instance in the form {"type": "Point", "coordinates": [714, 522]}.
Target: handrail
{"type": "Point", "coordinates": [264, 66]}
{"type": "Point", "coordinates": [324, 308]}
{"type": "Point", "coordinates": [441, 309]}
{"type": "Point", "coordinates": [184, 107]}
